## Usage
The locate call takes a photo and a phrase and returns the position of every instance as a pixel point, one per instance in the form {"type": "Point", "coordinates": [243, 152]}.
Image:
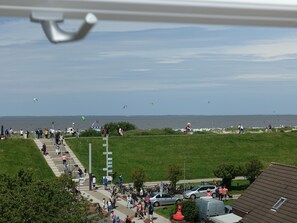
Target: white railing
{"type": "Point", "coordinates": [277, 13]}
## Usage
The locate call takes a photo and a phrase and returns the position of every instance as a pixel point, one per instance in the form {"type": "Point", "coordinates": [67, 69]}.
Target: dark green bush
{"type": "Point", "coordinates": [114, 126]}
{"type": "Point", "coordinates": [90, 133]}
{"type": "Point", "coordinates": [189, 210]}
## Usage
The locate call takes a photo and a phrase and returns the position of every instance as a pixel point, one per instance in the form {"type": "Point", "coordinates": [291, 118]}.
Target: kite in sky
{"type": "Point", "coordinates": [35, 99]}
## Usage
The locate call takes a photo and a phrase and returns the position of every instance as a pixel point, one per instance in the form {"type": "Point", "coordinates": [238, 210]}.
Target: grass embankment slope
{"type": "Point", "coordinates": [200, 152]}
{"type": "Point", "coordinates": [16, 154]}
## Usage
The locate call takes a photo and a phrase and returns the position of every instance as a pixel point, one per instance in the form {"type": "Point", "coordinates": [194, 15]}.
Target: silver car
{"type": "Point", "coordinates": [199, 191]}
{"type": "Point", "coordinates": [165, 199]}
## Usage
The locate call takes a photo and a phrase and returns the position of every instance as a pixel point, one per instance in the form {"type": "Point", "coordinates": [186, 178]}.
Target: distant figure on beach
{"type": "Point", "coordinates": [188, 127]}
{"type": "Point", "coordinates": [240, 129]}
{"type": "Point", "coordinates": [107, 132]}
{"type": "Point", "coordinates": [121, 131]}
{"type": "Point", "coordinates": [21, 132]}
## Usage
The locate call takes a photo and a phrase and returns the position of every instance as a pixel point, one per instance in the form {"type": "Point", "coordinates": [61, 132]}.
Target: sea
{"type": "Point", "coordinates": [148, 122]}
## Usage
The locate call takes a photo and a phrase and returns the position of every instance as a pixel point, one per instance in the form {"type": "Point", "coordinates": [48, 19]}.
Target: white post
{"type": "Point", "coordinates": [184, 175]}
{"type": "Point", "coordinates": [90, 166]}
{"type": "Point", "coordinates": [106, 156]}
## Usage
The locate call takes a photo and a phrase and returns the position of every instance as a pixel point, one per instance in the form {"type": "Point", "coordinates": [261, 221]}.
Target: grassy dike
{"type": "Point", "coordinates": [22, 153]}
{"type": "Point", "coordinates": [200, 152]}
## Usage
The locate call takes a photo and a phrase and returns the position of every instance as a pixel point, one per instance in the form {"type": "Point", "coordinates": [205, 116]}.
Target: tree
{"type": "Point", "coordinates": [252, 169]}
{"type": "Point", "coordinates": [174, 174]}
{"type": "Point", "coordinates": [138, 178]}
{"type": "Point", "coordinates": [227, 172]}
{"type": "Point", "coordinates": [24, 199]}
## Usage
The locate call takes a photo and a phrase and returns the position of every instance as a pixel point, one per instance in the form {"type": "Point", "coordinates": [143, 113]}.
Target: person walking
{"type": "Point", "coordinates": [128, 219]}
{"type": "Point", "coordinates": [114, 200]}
{"type": "Point", "coordinates": [104, 204]}
{"type": "Point", "coordinates": [58, 150]}
{"type": "Point", "coordinates": [151, 211]}
{"type": "Point", "coordinates": [43, 149]}
{"type": "Point", "coordinates": [109, 206]}
{"type": "Point", "coordinates": [225, 193]}
{"type": "Point", "coordinates": [105, 181]}
{"type": "Point", "coordinates": [129, 201]}
{"type": "Point", "coordinates": [220, 193]}
{"type": "Point", "coordinates": [64, 159]}
{"type": "Point", "coordinates": [146, 201]}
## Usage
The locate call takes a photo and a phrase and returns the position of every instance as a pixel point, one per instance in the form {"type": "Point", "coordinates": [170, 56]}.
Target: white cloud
{"type": "Point", "coordinates": [139, 70]}
{"type": "Point", "coordinates": [170, 61]}
{"type": "Point", "coordinates": [266, 50]}
{"type": "Point", "coordinates": [265, 77]}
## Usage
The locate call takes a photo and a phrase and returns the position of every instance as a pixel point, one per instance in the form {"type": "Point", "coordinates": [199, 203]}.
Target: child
{"type": "Point", "coordinates": [104, 204]}
{"type": "Point", "coordinates": [128, 201]}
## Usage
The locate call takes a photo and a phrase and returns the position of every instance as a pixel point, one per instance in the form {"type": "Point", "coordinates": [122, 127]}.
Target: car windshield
{"type": "Point", "coordinates": [194, 188]}
{"type": "Point", "coordinates": [153, 195]}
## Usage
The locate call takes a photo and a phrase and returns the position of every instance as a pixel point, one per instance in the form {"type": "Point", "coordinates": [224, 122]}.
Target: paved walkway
{"type": "Point", "coordinates": [55, 162]}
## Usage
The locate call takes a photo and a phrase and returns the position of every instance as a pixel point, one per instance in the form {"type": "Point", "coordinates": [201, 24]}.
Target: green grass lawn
{"type": "Point", "coordinates": [166, 211]}
{"type": "Point", "coordinates": [200, 152]}
{"type": "Point", "coordinates": [22, 153]}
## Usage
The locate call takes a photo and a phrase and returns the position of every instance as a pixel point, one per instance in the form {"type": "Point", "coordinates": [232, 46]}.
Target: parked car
{"type": "Point", "coordinates": [164, 199]}
{"type": "Point", "coordinates": [199, 191]}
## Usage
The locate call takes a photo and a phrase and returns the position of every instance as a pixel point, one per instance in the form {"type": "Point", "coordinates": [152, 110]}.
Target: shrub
{"type": "Point", "coordinates": [189, 210]}
{"type": "Point", "coordinates": [90, 133]}
{"type": "Point", "coordinates": [138, 177]}
{"type": "Point", "coordinates": [114, 126]}
{"type": "Point", "coordinates": [227, 172]}
{"type": "Point", "coordinates": [252, 169]}
{"type": "Point", "coordinates": [174, 174]}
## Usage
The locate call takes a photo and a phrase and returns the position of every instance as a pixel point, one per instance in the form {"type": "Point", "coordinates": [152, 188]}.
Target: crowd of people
{"type": "Point", "coordinates": [140, 204]}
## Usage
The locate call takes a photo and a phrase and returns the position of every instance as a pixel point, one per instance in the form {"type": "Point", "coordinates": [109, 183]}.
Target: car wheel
{"type": "Point", "coordinates": [193, 196]}
{"type": "Point", "coordinates": [157, 204]}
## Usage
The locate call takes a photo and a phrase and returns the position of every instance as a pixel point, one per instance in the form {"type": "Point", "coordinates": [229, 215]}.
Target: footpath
{"type": "Point", "coordinates": [96, 196]}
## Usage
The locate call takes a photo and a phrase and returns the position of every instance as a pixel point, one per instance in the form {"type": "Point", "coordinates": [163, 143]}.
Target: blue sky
{"type": "Point", "coordinates": [154, 69]}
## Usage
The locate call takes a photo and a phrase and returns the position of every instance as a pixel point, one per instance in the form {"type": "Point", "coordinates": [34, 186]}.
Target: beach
{"type": "Point", "coordinates": [148, 122]}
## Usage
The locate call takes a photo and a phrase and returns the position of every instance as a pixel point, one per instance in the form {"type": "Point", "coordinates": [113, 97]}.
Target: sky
{"type": "Point", "coordinates": [126, 68]}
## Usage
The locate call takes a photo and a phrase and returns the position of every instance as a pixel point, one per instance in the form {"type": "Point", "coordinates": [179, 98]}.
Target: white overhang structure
{"type": "Point", "coordinates": [273, 13]}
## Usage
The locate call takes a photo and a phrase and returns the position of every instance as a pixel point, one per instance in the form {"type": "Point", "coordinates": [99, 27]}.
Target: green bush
{"type": "Point", "coordinates": [138, 178]}
{"type": "Point", "coordinates": [90, 133]}
{"type": "Point", "coordinates": [189, 210]}
{"type": "Point", "coordinates": [153, 132]}
{"type": "Point", "coordinates": [252, 169]}
{"type": "Point", "coordinates": [114, 126]}
{"type": "Point", "coordinates": [227, 172]}
{"type": "Point", "coordinates": [174, 175]}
